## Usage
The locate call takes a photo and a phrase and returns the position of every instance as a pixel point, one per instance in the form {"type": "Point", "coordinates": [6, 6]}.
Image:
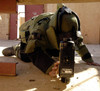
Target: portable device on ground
{"type": "Point", "coordinates": [66, 57]}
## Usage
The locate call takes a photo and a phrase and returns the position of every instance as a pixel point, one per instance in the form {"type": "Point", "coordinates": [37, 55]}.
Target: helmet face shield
{"type": "Point", "coordinates": [68, 22]}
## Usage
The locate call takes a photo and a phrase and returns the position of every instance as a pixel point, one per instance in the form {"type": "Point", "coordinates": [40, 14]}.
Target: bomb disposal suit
{"type": "Point", "coordinates": [41, 35]}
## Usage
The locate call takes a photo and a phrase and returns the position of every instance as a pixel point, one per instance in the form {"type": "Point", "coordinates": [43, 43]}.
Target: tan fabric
{"type": "Point", "coordinates": [53, 20]}
{"type": "Point", "coordinates": [30, 46]}
{"type": "Point", "coordinates": [29, 25]}
{"type": "Point", "coordinates": [52, 37]}
{"type": "Point", "coordinates": [60, 5]}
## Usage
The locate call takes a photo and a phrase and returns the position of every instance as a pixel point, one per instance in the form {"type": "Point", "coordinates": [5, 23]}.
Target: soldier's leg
{"type": "Point", "coordinates": [20, 54]}
{"type": "Point", "coordinates": [8, 51]}
{"type": "Point", "coordinates": [15, 50]}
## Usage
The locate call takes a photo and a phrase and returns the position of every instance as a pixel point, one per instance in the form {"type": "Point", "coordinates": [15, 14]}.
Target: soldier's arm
{"type": "Point", "coordinates": [82, 50]}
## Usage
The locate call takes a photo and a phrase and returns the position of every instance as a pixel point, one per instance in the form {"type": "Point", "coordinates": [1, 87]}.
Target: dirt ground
{"type": "Point", "coordinates": [30, 78]}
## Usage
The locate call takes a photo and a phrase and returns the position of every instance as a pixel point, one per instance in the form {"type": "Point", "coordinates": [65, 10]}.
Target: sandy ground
{"type": "Point", "coordinates": [30, 78]}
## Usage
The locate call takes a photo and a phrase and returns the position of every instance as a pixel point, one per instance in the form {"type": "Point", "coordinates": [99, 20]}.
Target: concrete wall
{"type": "Point", "coordinates": [4, 26]}
{"type": "Point", "coordinates": [89, 14]}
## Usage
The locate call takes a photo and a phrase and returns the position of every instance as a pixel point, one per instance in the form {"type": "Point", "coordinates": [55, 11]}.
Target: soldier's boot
{"type": "Point", "coordinates": [8, 51]}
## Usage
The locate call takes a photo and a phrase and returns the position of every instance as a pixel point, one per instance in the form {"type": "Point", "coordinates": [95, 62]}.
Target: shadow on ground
{"type": "Point", "coordinates": [30, 78]}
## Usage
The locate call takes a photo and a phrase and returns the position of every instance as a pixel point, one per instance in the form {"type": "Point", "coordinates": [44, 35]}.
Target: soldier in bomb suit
{"type": "Point", "coordinates": [41, 35]}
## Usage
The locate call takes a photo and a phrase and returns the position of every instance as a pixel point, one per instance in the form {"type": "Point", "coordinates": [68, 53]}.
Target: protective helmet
{"type": "Point", "coordinates": [53, 21]}
{"type": "Point", "coordinates": [64, 20]}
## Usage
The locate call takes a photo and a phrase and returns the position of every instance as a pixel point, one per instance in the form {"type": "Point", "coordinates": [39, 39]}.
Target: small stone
{"type": "Point", "coordinates": [77, 77]}
{"type": "Point", "coordinates": [71, 85]}
{"type": "Point", "coordinates": [57, 88]}
{"type": "Point", "coordinates": [31, 80]}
